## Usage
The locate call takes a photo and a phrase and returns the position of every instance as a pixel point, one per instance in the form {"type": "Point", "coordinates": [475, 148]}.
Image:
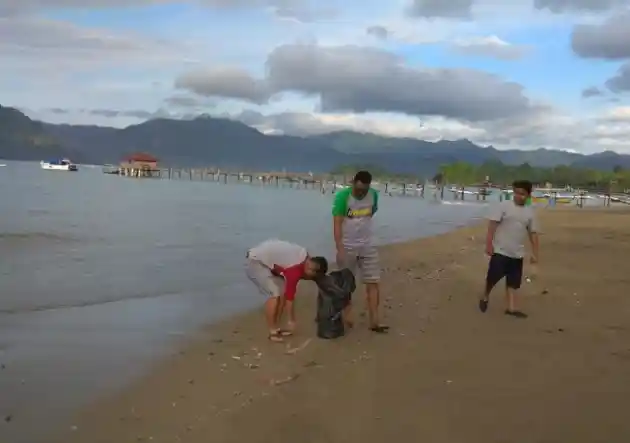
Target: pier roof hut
{"type": "Point", "coordinates": [139, 164]}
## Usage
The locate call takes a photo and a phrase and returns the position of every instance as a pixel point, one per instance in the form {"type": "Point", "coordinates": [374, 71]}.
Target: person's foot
{"type": "Point", "coordinates": [380, 329]}
{"type": "Point", "coordinates": [515, 313]}
{"type": "Point", "coordinates": [483, 304]}
{"type": "Point", "coordinates": [276, 336]}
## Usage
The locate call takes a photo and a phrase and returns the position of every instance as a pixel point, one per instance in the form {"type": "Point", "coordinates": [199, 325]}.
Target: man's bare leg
{"type": "Point", "coordinates": [372, 292]}
{"type": "Point", "coordinates": [510, 299]}
{"type": "Point", "coordinates": [271, 314]}
{"type": "Point", "coordinates": [347, 316]}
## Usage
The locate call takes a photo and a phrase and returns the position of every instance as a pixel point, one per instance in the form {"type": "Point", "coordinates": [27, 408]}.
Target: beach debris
{"type": "Point", "coordinates": [191, 382]}
{"type": "Point", "coordinates": [544, 292]}
{"type": "Point", "coordinates": [528, 280]}
{"type": "Point", "coordinates": [282, 381]}
{"type": "Point", "coordinates": [293, 351]}
{"type": "Point", "coordinates": [236, 357]}
{"type": "Point", "coordinates": [8, 418]}
{"type": "Point", "coordinates": [73, 428]}
{"type": "Point", "coordinates": [252, 366]}
{"type": "Point", "coordinates": [311, 364]}
{"type": "Point", "coordinates": [448, 382]}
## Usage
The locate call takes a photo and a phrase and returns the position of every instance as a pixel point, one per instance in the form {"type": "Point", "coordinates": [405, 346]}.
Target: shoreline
{"type": "Point", "coordinates": [226, 338]}
{"type": "Point", "coordinates": [225, 379]}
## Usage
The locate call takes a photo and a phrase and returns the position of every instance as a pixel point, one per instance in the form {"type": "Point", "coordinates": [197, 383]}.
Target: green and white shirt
{"type": "Point", "coordinates": [357, 213]}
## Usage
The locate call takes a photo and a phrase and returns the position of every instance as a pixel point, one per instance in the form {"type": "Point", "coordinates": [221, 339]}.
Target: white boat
{"type": "Point", "coordinates": [58, 165]}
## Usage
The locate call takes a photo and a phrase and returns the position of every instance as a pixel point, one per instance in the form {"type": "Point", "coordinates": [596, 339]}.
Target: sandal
{"type": "Point", "coordinates": [483, 304]}
{"type": "Point", "coordinates": [285, 333]}
{"type": "Point", "coordinates": [517, 314]}
{"type": "Point", "coordinates": [380, 329]}
{"type": "Point", "coordinates": [275, 336]}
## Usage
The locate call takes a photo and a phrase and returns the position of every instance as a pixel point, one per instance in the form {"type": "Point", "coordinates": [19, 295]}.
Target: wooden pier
{"type": "Point", "coordinates": [325, 183]}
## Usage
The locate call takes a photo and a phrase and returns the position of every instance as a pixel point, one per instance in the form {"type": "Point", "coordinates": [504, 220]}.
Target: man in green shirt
{"type": "Point", "coordinates": [352, 212]}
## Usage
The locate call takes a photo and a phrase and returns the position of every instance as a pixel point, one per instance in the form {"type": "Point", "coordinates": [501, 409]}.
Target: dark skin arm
{"type": "Point", "coordinates": [338, 236]}
{"type": "Point", "coordinates": [533, 239]}
{"type": "Point", "coordinates": [492, 229]}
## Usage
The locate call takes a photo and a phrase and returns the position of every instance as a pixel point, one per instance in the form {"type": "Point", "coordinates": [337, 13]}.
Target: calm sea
{"type": "Point", "coordinates": [99, 274]}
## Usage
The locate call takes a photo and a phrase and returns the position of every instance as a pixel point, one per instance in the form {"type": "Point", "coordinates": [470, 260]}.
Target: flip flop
{"type": "Point", "coordinates": [517, 314]}
{"type": "Point", "coordinates": [381, 329]}
{"type": "Point", "coordinates": [483, 305]}
{"type": "Point", "coordinates": [284, 333]}
{"type": "Point", "coordinates": [275, 337]}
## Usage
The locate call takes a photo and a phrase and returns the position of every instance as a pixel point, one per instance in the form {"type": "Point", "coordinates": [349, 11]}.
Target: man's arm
{"type": "Point", "coordinates": [374, 200]}
{"type": "Point", "coordinates": [492, 229]}
{"type": "Point", "coordinates": [292, 277]}
{"type": "Point", "coordinates": [494, 218]}
{"type": "Point", "coordinates": [532, 231]}
{"type": "Point", "coordinates": [339, 210]}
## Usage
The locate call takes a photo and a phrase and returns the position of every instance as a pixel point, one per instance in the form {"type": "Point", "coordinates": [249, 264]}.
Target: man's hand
{"type": "Point", "coordinates": [489, 250]}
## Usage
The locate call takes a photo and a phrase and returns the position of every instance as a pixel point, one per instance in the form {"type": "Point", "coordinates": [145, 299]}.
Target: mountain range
{"type": "Point", "coordinates": [209, 141]}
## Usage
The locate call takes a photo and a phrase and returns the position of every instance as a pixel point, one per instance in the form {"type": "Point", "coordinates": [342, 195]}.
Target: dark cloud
{"type": "Point", "coordinates": [620, 83]}
{"type": "Point", "coordinates": [356, 79]}
{"type": "Point", "coordinates": [359, 79]}
{"type": "Point", "coordinates": [379, 32]}
{"type": "Point", "coordinates": [451, 9]}
{"type": "Point", "coordinates": [225, 83]}
{"type": "Point", "coordinates": [40, 43]}
{"type": "Point", "coordinates": [559, 6]}
{"type": "Point", "coordinates": [593, 91]}
{"type": "Point", "coordinates": [609, 40]}
{"type": "Point", "coordinates": [183, 102]}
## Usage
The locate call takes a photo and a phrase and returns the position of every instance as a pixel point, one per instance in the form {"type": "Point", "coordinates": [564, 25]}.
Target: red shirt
{"type": "Point", "coordinates": [292, 276]}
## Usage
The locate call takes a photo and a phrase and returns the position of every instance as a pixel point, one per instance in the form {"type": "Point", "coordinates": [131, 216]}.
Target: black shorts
{"type": "Point", "coordinates": [502, 266]}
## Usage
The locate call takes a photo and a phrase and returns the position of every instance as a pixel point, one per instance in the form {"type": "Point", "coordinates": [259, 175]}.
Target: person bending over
{"type": "Point", "coordinates": [510, 223]}
{"type": "Point", "coordinates": [276, 267]}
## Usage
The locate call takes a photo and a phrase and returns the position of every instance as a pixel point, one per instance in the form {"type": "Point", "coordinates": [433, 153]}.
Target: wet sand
{"type": "Point", "coordinates": [445, 374]}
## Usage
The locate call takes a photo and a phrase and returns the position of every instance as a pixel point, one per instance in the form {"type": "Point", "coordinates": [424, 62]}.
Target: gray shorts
{"type": "Point", "coordinates": [364, 263]}
{"type": "Point", "coordinates": [268, 284]}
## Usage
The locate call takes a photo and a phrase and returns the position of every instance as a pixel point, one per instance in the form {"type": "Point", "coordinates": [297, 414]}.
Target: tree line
{"type": "Point", "coordinates": [559, 176]}
{"type": "Point", "coordinates": [498, 173]}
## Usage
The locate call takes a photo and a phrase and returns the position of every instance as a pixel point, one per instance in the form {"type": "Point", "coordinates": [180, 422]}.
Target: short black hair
{"type": "Point", "coordinates": [523, 184]}
{"type": "Point", "coordinates": [363, 177]}
{"type": "Point", "coordinates": [322, 264]}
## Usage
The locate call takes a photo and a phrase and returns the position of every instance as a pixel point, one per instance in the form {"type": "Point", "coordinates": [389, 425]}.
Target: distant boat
{"type": "Point", "coordinates": [59, 165]}
{"type": "Point", "coordinates": [2, 165]}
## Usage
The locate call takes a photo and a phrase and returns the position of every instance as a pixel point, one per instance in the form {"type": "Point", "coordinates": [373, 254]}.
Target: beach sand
{"type": "Point", "coordinates": [444, 374]}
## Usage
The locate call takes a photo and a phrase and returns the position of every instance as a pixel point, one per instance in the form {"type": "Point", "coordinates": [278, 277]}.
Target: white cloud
{"type": "Point", "coordinates": [490, 46]}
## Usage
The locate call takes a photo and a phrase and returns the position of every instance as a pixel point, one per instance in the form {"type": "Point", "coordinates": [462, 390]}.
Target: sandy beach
{"type": "Point", "coordinates": [445, 374]}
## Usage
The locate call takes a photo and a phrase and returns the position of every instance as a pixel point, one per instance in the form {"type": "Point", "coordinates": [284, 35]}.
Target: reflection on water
{"type": "Point", "coordinates": [99, 273]}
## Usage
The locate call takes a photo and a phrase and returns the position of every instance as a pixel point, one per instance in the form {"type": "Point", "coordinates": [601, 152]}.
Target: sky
{"type": "Point", "coordinates": [522, 74]}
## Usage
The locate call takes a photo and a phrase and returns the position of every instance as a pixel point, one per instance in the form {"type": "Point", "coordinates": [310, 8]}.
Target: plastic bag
{"type": "Point", "coordinates": [335, 292]}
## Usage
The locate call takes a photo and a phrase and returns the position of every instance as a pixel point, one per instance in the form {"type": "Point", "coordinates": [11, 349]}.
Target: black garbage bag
{"type": "Point", "coordinates": [335, 292]}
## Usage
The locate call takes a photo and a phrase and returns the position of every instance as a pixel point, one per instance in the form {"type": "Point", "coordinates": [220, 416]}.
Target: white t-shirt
{"type": "Point", "coordinates": [514, 223]}
{"type": "Point", "coordinates": [280, 253]}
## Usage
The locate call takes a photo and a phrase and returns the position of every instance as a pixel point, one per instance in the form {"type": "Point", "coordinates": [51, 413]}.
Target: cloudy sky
{"type": "Point", "coordinates": [514, 74]}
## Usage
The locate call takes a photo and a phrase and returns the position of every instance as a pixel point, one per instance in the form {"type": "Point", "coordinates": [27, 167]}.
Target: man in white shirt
{"type": "Point", "coordinates": [276, 267]}
{"type": "Point", "coordinates": [510, 223]}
